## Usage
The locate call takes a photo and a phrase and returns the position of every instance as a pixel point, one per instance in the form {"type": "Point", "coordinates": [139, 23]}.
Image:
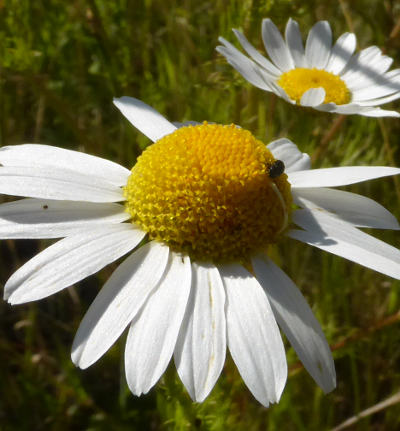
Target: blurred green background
{"type": "Point", "coordinates": [61, 63]}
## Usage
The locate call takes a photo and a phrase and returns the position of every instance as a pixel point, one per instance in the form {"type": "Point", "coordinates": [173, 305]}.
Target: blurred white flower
{"type": "Point", "coordinates": [321, 76]}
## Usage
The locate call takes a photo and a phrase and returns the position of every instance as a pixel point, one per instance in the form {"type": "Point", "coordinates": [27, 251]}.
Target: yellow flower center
{"type": "Point", "coordinates": [296, 82]}
{"type": "Point", "coordinates": [209, 191]}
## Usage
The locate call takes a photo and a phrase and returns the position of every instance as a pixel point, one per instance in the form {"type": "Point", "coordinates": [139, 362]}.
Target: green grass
{"type": "Point", "coordinates": [61, 63]}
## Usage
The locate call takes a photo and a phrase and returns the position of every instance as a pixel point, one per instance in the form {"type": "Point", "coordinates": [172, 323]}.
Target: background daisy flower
{"type": "Point", "coordinates": [210, 199]}
{"type": "Point", "coordinates": [321, 76]}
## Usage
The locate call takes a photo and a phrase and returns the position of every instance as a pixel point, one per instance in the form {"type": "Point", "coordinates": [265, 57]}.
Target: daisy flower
{"type": "Point", "coordinates": [210, 200]}
{"type": "Point", "coordinates": [321, 76]}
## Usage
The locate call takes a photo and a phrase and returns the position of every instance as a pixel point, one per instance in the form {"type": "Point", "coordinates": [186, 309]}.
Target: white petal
{"type": "Point", "coordinates": [154, 331]}
{"type": "Point", "coordinates": [119, 300]}
{"type": "Point", "coordinates": [355, 209]}
{"type": "Point", "coordinates": [376, 91]}
{"type": "Point", "coordinates": [373, 57]}
{"type": "Point", "coordinates": [341, 53]}
{"type": "Point", "coordinates": [362, 82]}
{"type": "Point", "coordinates": [145, 118]}
{"type": "Point", "coordinates": [70, 260]}
{"type": "Point", "coordinates": [356, 108]}
{"type": "Point", "coordinates": [285, 150]}
{"type": "Point", "coordinates": [294, 43]}
{"type": "Point", "coordinates": [46, 156]}
{"type": "Point", "coordinates": [333, 177]}
{"type": "Point", "coordinates": [40, 218]}
{"type": "Point", "coordinates": [380, 100]}
{"type": "Point", "coordinates": [297, 321]}
{"type": "Point", "coordinates": [276, 46]}
{"type": "Point", "coordinates": [201, 347]}
{"type": "Point", "coordinates": [369, 62]}
{"type": "Point", "coordinates": [379, 113]}
{"type": "Point", "coordinates": [366, 68]}
{"type": "Point", "coordinates": [56, 183]}
{"type": "Point", "coordinates": [246, 67]}
{"type": "Point", "coordinates": [347, 109]}
{"type": "Point", "coordinates": [256, 56]}
{"type": "Point", "coordinates": [359, 80]}
{"type": "Point", "coordinates": [338, 237]}
{"type": "Point", "coordinates": [313, 97]}
{"type": "Point", "coordinates": [318, 45]}
{"type": "Point", "coordinates": [253, 335]}
{"type": "Point", "coordinates": [383, 88]}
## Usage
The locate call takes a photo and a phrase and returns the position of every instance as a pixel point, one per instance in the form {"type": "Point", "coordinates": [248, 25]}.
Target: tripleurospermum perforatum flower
{"type": "Point", "coordinates": [321, 76]}
{"type": "Point", "coordinates": [210, 199]}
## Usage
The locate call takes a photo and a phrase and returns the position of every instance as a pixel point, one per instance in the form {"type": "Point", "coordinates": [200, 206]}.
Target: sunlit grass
{"type": "Point", "coordinates": [61, 63]}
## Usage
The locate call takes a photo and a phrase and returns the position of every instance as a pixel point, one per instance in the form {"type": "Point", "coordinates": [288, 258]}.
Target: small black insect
{"type": "Point", "coordinates": [277, 168]}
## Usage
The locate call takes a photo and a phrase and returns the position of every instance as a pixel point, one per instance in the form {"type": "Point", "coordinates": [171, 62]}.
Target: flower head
{"type": "Point", "coordinates": [321, 76]}
{"type": "Point", "coordinates": [206, 190]}
{"type": "Point", "coordinates": [210, 199]}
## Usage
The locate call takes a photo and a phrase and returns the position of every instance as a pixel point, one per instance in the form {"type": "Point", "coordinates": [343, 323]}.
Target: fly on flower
{"type": "Point", "coordinates": [202, 283]}
{"type": "Point", "coordinates": [321, 76]}
{"type": "Point", "coordinates": [276, 169]}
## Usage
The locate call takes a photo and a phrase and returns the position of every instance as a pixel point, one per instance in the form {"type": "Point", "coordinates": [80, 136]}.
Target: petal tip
{"type": "Point", "coordinates": [329, 386]}
{"type": "Point", "coordinates": [78, 359]}
{"type": "Point", "coordinates": [14, 299]}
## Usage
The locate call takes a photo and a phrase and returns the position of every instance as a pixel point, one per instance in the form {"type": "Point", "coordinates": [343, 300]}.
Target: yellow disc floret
{"type": "Point", "coordinates": [296, 82]}
{"type": "Point", "coordinates": [206, 190]}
